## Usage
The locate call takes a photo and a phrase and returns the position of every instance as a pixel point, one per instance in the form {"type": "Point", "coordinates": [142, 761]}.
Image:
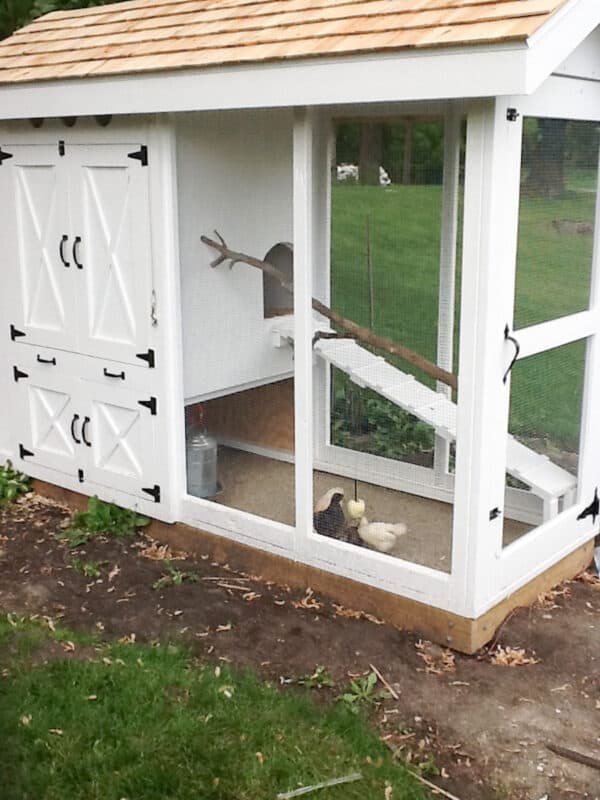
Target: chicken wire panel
{"type": "Point", "coordinates": [385, 416]}
{"type": "Point", "coordinates": [559, 177]}
{"type": "Point", "coordinates": [544, 437]}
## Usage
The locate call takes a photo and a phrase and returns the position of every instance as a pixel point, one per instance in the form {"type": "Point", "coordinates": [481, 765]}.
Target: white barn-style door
{"type": "Point", "coordinates": [111, 250]}
{"type": "Point", "coordinates": [88, 370]}
{"type": "Point", "coordinates": [39, 252]}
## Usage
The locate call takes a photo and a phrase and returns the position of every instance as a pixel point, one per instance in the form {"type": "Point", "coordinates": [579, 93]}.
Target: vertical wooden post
{"type": "Point", "coordinates": [323, 161]}
{"type": "Point", "coordinates": [304, 251]}
{"type": "Point", "coordinates": [492, 175]}
{"type": "Point", "coordinates": [589, 470]}
{"type": "Point", "coordinates": [447, 283]}
{"type": "Point", "coordinates": [165, 245]}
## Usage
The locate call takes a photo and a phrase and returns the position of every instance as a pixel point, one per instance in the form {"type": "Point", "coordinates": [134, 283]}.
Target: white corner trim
{"type": "Point", "coordinates": [558, 38]}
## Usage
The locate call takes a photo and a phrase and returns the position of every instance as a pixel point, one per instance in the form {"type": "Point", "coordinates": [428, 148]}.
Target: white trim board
{"type": "Point", "coordinates": [375, 78]}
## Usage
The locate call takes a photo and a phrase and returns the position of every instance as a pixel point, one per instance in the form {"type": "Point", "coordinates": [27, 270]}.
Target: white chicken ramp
{"type": "Point", "coordinates": [547, 480]}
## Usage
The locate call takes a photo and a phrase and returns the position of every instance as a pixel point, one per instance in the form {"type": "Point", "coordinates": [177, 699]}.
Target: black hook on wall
{"type": "Point", "coordinates": [509, 338]}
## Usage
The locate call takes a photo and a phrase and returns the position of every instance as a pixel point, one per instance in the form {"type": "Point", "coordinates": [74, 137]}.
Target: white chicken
{"type": "Point", "coordinates": [381, 536]}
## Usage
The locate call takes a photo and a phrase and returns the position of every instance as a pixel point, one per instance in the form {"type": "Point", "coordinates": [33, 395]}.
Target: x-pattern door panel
{"type": "Point", "coordinates": [110, 218]}
{"type": "Point", "coordinates": [50, 426]}
{"type": "Point", "coordinates": [122, 434]}
{"type": "Point", "coordinates": [43, 248]}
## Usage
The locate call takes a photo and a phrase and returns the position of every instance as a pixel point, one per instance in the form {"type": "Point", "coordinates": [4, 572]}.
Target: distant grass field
{"type": "Point", "coordinates": [553, 279]}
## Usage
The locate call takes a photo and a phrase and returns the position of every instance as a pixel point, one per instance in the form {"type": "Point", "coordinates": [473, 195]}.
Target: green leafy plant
{"type": "Point", "coordinates": [12, 484]}
{"type": "Point", "coordinates": [173, 577]}
{"type": "Point", "coordinates": [427, 767]}
{"type": "Point", "coordinates": [91, 569]}
{"type": "Point", "coordinates": [101, 519]}
{"type": "Point", "coordinates": [320, 678]}
{"type": "Point", "coordinates": [362, 693]}
{"type": "Point", "coordinates": [362, 420]}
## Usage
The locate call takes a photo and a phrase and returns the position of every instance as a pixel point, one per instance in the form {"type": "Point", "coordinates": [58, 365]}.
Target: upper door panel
{"type": "Point", "coordinates": [111, 229]}
{"type": "Point", "coordinates": [37, 246]}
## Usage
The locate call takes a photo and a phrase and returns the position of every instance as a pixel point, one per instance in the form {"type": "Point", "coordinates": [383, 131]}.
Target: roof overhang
{"type": "Point", "coordinates": [410, 75]}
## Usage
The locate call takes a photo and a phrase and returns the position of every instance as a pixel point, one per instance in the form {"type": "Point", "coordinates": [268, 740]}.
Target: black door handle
{"type": "Point", "coordinates": [61, 253]}
{"type": "Point", "coordinates": [120, 375]}
{"type": "Point", "coordinates": [73, 422]}
{"type": "Point", "coordinates": [86, 441]}
{"type": "Point", "coordinates": [77, 241]}
{"type": "Point", "coordinates": [41, 360]}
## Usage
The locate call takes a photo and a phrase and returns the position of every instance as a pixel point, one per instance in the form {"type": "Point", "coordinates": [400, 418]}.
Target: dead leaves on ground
{"type": "Point", "coordinates": [589, 579]}
{"type": "Point", "coordinates": [511, 657]}
{"type": "Point", "coordinates": [350, 613]}
{"type": "Point", "coordinates": [162, 552]}
{"type": "Point", "coordinates": [548, 599]}
{"type": "Point", "coordinates": [308, 602]}
{"type": "Point", "coordinates": [438, 660]}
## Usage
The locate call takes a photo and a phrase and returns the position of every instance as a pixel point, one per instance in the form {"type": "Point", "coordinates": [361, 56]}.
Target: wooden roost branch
{"type": "Point", "coordinates": [352, 328]}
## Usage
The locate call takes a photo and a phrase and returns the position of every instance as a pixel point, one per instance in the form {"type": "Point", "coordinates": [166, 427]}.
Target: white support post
{"type": "Point", "coordinates": [492, 174]}
{"type": "Point", "coordinates": [589, 471]}
{"type": "Point", "coordinates": [305, 224]}
{"type": "Point", "coordinates": [324, 154]}
{"type": "Point", "coordinates": [447, 282]}
{"type": "Point", "coordinates": [165, 244]}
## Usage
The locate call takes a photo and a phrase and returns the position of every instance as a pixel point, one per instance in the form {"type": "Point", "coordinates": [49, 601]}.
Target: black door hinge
{"type": "Point", "coordinates": [150, 404]}
{"type": "Point", "coordinates": [4, 156]}
{"type": "Point", "coordinates": [140, 155]}
{"type": "Point", "coordinates": [495, 513]}
{"type": "Point", "coordinates": [153, 492]}
{"type": "Point", "coordinates": [15, 333]}
{"type": "Point", "coordinates": [148, 357]}
{"type": "Point", "coordinates": [593, 509]}
{"type": "Point", "coordinates": [23, 452]}
{"type": "Point", "coordinates": [512, 115]}
{"type": "Point", "coordinates": [80, 475]}
{"type": "Point", "coordinates": [17, 374]}
{"type": "Point", "coordinates": [61, 147]}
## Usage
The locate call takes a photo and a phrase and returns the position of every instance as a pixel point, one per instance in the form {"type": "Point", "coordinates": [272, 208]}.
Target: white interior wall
{"type": "Point", "coordinates": [235, 176]}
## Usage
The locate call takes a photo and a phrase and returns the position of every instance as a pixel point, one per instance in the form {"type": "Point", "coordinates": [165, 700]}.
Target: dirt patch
{"type": "Point", "coordinates": [486, 726]}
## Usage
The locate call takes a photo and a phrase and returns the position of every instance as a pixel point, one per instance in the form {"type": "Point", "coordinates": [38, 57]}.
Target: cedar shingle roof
{"type": "Point", "coordinates": [157, 35]}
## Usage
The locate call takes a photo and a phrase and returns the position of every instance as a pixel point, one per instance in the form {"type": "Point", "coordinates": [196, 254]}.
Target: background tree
{"type": "Point", "coordinates": [552, 150]}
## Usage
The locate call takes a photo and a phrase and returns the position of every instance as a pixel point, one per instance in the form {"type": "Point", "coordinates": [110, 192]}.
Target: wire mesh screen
{"type": "Point", "coordinates": [544, 428]}
{"type": "Point", "coordinates": [559, 176]}
{"type": "Point", "coordinates": [389, 428]}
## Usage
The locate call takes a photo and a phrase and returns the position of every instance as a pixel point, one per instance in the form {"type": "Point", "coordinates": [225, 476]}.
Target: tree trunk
{"type": "Point", "coordinates": [407, 153]}
{"type": "Point", "coordinates": [546, 170]}
{"type": "Point", "coordinates": [371, 152]}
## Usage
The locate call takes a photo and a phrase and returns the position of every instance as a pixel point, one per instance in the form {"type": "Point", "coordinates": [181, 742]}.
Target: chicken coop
{"type": "Point", "coordinates": [317, 284]}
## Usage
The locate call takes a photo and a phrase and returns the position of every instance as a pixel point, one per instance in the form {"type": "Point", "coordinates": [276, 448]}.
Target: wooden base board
{"type": "Point", "coordinates": [451, 630]}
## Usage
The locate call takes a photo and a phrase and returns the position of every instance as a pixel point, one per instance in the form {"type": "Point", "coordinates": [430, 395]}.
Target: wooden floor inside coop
{"type": "Point", "coordinates": [265, 487]}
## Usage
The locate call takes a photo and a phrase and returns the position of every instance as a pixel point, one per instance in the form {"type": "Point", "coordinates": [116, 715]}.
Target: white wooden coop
{"type": "Point", "coordinates": [128, 131]}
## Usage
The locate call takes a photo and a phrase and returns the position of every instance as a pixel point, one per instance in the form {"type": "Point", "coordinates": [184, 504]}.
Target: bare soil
{"type": "Point", "coordinates": [486, 727]}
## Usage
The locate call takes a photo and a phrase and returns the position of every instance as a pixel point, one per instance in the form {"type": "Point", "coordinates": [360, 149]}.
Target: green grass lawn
{"type": "Point", "coordinates": [553, 279]}
{"type": "Point", "coordinates": [118, 721]}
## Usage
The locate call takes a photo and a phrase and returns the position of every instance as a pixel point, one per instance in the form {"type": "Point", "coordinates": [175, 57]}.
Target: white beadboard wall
{"type": "Point", "coordinates": [235, 176]}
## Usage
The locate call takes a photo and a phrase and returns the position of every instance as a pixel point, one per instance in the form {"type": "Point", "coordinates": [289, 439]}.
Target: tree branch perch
{"type": "Point", "coordinates": [352, 328]}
